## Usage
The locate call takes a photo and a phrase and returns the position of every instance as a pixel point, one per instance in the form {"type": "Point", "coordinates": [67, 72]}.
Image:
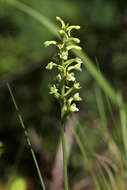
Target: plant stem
{"type": "Point", "coordinates": [64, 155]}
{"type": "Point", "coordinates": [63, 134]}
{"type": "Point", "coordinates": [27, 137]}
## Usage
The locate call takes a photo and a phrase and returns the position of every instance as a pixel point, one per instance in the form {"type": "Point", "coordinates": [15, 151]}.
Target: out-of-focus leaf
{"type": "Point", "coordinates": [18, 184]}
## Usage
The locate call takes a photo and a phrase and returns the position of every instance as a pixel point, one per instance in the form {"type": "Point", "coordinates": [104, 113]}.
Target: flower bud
{"type": "Point", "coordinates": [70, 100]}
{"type": "Point", "coordinates": [74, 47]}
{"type": "Point", "coordinates": [47, 43]}
{"type": "Point", "coordinates": [65, 108]}
{"type": "Point", "coordinates": [50, 65]}
{"type": "Point", "coordinates": [61, 21]}
{"type": "Point", "coordinates": [72, 27]}
{"type": "Point", "coordinates": [59, 77]}
{"type": "Point", "coordinates": [62, 32]}
{"type": "Point", "coordinates": [76, 40]}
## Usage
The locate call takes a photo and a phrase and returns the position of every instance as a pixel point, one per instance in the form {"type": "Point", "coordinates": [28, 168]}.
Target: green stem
{"type": "Point", "coordinates": [64, 155]}
{"type": "Point", "coordinates": [69, 91]}
{"type": "Point", "coordinates": [63, 134]}
{"type": "Point", "coordinates": [27, 137]}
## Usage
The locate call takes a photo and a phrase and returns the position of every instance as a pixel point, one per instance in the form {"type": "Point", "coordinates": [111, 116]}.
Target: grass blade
{"type": "Point", "coordinates": [123, 118]}
{"type": "Point", "coordinates": [36, 15]}
{"type": "Point", "coordinates": [86, 159]}
{"type": "Point", "coordinates": [27, 137]}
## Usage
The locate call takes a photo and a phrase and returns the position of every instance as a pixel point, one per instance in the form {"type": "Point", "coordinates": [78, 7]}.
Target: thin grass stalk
{"type": "Point", "coordinates": [104, 181]}
{"type": "Point", "coordinates": [27, 137]}
{"type": "Point", "coordinates": [63, 134]}
{"type": "Point", "coordinates": [100, 106]}
{"type": "Point", "coordinates": [81, 147]}
{"type": "Point", "coordinates": [111, 143]}
{"type": "Point", "coordinates": [36, 15]}
{"type": "Point", "coordinates": [123, 118]}
{"type": "Point", "coordinates": [110, 110]}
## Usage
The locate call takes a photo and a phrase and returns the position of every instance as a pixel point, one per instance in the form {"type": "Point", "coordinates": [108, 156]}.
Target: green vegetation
{"type": "Point", "coordinates": [99, 152]}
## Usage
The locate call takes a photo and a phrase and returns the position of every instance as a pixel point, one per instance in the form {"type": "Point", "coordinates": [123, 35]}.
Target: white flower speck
{"type": "Point", "coordinates": [53, 90]}
{"type": "Point", "coordinates": [70, 77]}
{"type": "Point", "coordinates": [78, 67]}
{"type": "Point", "coordinates": [77, 85]}
{"type": "Point", "coordinates": [64, 55]}
{"type": "Point", "coordinates": [73, 108]}
{"type": "Point", "coordinates": [59, 77]}
{"type": "Point", "coordinates": [50, 66]}
{"type": "Point", "coordinates": [78, 60]}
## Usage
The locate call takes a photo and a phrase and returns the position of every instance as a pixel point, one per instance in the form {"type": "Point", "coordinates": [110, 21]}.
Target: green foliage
{"type": "Point", "coordinates": [103, 37]}
{"type": "Point", "coordinates": [18, 183]}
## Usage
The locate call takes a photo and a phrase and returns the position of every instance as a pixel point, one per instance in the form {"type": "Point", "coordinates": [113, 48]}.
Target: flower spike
{"type": "Point", "coordinates": [65, 79]}
{"type": "Point", "coordinates": [66, 86]}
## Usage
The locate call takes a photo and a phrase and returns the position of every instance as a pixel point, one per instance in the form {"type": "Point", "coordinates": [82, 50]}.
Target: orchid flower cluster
{"type": "Point", "coordinates": [65, 88]}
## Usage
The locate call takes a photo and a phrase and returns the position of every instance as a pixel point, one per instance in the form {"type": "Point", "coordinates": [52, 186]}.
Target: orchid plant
{"type": "Point", "coordinates": [66, 87]}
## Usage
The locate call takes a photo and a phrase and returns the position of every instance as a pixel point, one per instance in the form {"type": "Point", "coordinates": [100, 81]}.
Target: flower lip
{"type": "Point", "coordinates": [64, 55]}
{"type": "Point", "coordinates": [53, 90]}
{"type": "Point", "coordinates": [77, 85]}
{"type": "Point", "coordinates": [70, 77]}
{"type": "Point", "coordinates": [76, 97]}
{"type": "Point", "coordinates": [78, 60]}
{"type": "Point", "coordinates": [78, 67]}
{"type": "Point", "coordinates": [50, 66]}
{"type": "Point", "coordinates": [73, 108]}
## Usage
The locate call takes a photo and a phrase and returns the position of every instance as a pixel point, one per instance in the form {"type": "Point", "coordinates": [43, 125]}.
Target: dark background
{"type": "Point", "coordinates": [23, 58]}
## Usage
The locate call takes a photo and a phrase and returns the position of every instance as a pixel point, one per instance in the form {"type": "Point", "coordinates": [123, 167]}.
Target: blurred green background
{"type": "Point", "coordinates": [23, 59]}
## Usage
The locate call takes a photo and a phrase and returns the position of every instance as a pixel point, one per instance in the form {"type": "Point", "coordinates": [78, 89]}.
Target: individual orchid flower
{"type": "Point", "coordinates": [53, 89]}
{"type": "Point", "coordinates": [73, 108]}
{"type": "Point", "coordinates": [77, 86]}
{"type": "Point", "coordinates": [50, 65]}
{"type": "Point", "coordinates": [76, 97]}
{"type": "Point", "coordinates": [70, 77]}
{"type": "Point", "coordinates": [75, 67]}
